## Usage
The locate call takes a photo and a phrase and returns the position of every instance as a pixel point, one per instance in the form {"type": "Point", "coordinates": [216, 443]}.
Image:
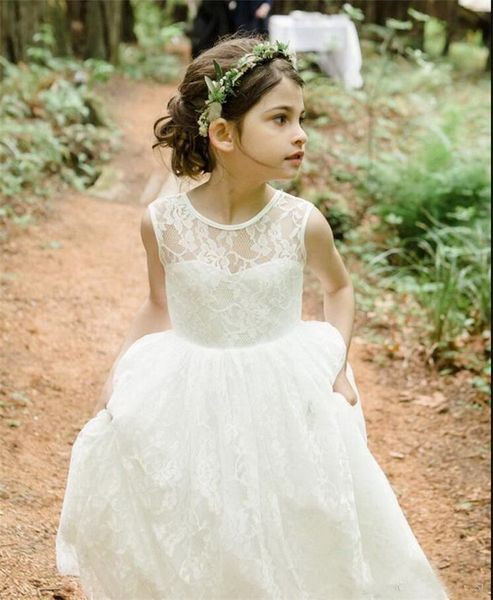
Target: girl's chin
{"type": "Point", "coordinates": [285, 174]}
{"type": "Point", "coordinates": [289, 170]}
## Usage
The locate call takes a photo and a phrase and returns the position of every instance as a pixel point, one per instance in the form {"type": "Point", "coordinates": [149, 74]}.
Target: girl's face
{"type": "Point", "coordinates": [271, 133]}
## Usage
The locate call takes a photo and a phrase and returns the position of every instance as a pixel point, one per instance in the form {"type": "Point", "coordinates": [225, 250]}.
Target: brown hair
{"type": "Point", "coordinates": [179, 129]}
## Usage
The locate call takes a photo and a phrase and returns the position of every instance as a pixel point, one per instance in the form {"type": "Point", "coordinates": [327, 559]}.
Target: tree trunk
{"type": "Point", "coordinates": [451, 19]}
{"type": "Point", "coordinates": [94, 31]}
{"type": "Point", "coordinates": [19, 21]}
{"type": "Point", "coordinates": [98, 27]}
{"type": "Point", "coordinates": [112, 12]}
{"type": "Point", "coordinates": [84, 28]}
{"type": "Point", "coordinates": [128, 34]}
{"type": "Point", "coordinates": [56, 13]}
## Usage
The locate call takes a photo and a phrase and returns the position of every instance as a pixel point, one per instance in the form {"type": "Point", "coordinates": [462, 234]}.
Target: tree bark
{"type": "Point", "coordinates": [94, 28]}
{"type": "Point", "coordinates": [84, 28]}
{"type": "Point", "coordinates": [128, 34]}
{"type": "Point", "coordinates": [56, 12]}
{"type": "Point", "coordinates": [112, 12]}
{"type": "Point", "coordinates": [19, 21]}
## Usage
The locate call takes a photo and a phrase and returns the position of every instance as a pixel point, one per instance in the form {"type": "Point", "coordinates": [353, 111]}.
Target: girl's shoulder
{"type": "Point", "coordinates": [296, 206]}
{"type": "Point", "coordinates": [164, 211]}
{"type": "Point", "coordinates": [167, 199]}
{"type": "Point", "coordinates": [295, 201]}
{"type": "Point", "coordinates": [166, 203]}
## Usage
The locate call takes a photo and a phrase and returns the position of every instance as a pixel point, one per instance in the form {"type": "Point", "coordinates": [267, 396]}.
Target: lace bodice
{"type": "Point", "coordinates": [232, 285]}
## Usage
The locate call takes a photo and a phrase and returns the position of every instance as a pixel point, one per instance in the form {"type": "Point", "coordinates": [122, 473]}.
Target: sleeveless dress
{"type": "Point", "coordinates": [224, 466]}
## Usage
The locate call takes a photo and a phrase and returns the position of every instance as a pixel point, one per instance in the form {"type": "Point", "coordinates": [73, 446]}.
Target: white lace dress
{"type": "Point", "coordinates": [224, 466]}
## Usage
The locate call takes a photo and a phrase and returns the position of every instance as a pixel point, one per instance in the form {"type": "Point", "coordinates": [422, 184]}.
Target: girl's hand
{"type": "Point", "coordinates": [342, 386]}
{"type": "Point", "coordinates": [104, 396]}
{"type": "Point", "coordinates": [262, 11]}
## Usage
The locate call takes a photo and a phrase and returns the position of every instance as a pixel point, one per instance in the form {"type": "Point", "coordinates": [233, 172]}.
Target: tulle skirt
{"type": "Point", "coordinates": [235, 474]}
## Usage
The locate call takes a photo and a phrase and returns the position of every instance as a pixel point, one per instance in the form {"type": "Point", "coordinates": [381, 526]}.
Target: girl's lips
{"type": "Point", "coordinates": [295, 159]}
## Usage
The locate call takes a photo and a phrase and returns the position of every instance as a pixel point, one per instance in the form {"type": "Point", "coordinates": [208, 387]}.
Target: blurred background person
{"type": "Point", "coordinates": [212, 20]}
{"type": "Point", "coordinates": [215, 18]}
{"type": "Point", "coordinates": [251, 16]}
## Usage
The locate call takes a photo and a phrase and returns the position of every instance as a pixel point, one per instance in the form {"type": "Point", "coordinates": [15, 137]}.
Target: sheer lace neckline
{"type": "Point", "coordinates": [250, 221]}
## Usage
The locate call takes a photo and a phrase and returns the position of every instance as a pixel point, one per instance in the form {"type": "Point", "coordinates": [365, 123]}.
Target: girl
{"type": "Point", "coordinates": [227, 457]}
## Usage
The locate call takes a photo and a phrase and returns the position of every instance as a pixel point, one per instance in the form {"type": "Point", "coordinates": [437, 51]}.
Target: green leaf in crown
{"type": "Point", "coordinates": [218, 70]}
{"type": "Point", "coordinates": [210, 83]}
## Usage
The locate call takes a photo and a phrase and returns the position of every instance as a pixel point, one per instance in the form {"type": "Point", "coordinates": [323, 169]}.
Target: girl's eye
{"type": "Point", "coordinates": [302, 119]}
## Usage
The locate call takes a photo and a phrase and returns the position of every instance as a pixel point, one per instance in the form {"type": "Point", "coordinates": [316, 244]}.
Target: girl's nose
{"type": "Point", "coordinates": [301, 135]}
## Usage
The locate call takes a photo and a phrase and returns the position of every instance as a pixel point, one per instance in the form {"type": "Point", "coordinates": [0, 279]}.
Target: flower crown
{"type": "Point", "coordinates": [223, 86]}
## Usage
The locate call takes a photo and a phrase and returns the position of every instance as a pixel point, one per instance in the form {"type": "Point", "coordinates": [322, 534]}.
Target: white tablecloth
{"type": "Point", "coordinates": [334, 37]}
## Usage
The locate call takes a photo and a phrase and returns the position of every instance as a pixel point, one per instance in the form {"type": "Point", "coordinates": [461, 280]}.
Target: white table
{"type": "Point", "coordinates": [334, 37]}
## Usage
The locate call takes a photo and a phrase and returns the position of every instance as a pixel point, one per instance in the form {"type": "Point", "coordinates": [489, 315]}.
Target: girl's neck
{"type": "Point", "coordinates": [231, 200]}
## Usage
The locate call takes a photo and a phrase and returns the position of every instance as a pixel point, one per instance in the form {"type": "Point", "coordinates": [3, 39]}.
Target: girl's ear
{"type": "Point", "coordinates": [221, 135]}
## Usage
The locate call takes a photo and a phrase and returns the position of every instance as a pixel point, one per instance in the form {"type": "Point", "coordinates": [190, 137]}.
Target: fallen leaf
{"type": "Point", "coordinates": [399, 455]}
{"type": "Point", "coordinates": [406, 396]}
{"type": "Point", "coordinates": [4, 494]}
{"type": "Point", "coordinates": [436, 401]}
{"type": "Point", "coordinates": [20, 398]}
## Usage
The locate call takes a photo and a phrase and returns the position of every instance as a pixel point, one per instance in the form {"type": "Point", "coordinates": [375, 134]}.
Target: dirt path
{"type": "Point", "coordinates": [70, 286]}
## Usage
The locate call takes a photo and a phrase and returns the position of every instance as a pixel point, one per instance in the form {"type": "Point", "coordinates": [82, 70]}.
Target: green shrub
{"type": "Point", "coordinates": [454, 279]}
{"type": "Point", "coordinates": [51, 123]}
{"type": "Point", "coordinates": [150, 57]}
{"type": "Point", "coordinates": [326, 98]}
{"type": "Point", "coordinates": [335, 208]}
{"type": "Point", "coordinates": [138, 63]}
{"type": "Point", "coordinates": [450, 277]}
{"type": "Point", "coordinates": [438, 182]}
{"type": "Point", "coordinates": [27, 152]}
{"type": "Point", "coordinates": [468, 57]}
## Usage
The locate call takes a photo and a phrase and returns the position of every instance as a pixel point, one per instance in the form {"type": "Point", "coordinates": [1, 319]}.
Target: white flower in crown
{"type": "Point", "coordinates": [249, 60]}
{"type": "Point", "coordinates": [223, 86]}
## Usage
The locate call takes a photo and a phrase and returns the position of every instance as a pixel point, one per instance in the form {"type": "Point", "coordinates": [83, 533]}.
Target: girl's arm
{"type": "Point", "coordinates": [153, 314]}
{"type": "Point", "coordinates": [325, 262]}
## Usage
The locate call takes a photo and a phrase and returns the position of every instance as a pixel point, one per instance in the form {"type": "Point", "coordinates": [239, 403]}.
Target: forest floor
{"type": "Point", "coordinates": [71, 285]}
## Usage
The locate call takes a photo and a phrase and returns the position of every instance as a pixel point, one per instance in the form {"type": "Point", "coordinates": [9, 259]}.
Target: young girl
{"type": "Point", "coordinates": [227, 458]}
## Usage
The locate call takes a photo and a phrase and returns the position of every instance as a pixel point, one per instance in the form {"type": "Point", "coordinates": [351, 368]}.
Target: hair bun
{"type": "Point", "coordinates": [179, 131]}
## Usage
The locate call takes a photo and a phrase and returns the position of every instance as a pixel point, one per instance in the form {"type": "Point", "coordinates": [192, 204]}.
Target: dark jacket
{"type": "Point", "coordinates": [243, 16]}
{"type": "Point", "coordinates": [216, 18]}
{"type": "Point", "coordinates": [213, 19]}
